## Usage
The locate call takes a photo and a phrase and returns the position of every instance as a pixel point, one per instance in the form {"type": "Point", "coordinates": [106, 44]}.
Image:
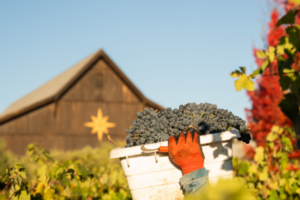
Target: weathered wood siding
{"type": "Point", "coordinates": [60, 125]}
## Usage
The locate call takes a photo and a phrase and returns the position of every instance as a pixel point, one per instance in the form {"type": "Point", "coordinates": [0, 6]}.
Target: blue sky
{"type": "Point", "coordinates": [175, 52]}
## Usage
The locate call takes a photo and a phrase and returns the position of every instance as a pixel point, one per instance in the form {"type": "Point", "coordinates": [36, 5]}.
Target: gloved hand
{"type": "Point", "coordinates": [186, 153]}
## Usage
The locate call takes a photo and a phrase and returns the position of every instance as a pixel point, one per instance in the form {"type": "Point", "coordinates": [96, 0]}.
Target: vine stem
{"type": "Point", "coordinates": [113, 141]}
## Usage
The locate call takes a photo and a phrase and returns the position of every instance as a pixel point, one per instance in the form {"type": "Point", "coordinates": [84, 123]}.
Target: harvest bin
{"type": "Point", "coordinates": [151, 175]}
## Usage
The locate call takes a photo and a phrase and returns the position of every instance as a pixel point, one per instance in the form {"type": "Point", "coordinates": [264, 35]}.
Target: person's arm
{"type": "Point", "coordinates": [187, 154]}
{"type": "Point", "coordinates": [194, 182]}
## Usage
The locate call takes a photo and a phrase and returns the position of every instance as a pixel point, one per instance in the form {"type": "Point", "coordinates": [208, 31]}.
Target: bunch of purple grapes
{"type": "Point", "coordinates": [157, 126]}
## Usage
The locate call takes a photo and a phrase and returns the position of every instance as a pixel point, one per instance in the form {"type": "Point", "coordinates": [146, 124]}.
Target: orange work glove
{"type": "Point", "coordinates": [186, 153]}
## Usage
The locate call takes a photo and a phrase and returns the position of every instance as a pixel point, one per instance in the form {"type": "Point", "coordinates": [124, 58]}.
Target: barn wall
{"type": "Point", "coordinates": [61, 125]}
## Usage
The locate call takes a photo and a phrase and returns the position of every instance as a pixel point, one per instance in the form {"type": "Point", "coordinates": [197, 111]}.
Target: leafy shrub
{"type": "Point", "coordinates": [272, 175]}
{"type": "Point", "coordinates": [82, 174]}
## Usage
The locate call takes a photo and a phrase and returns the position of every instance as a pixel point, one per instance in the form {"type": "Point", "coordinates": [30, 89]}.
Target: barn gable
{"type": "Point", "coordinates": [53, 115]}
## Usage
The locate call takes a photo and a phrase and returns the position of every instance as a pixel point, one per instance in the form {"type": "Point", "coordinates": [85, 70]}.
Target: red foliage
{"type": "Point", "coordinates": [296, 64]}
{"type": "Point", "coordinates": [265, 111]}
{"type": "Point", "coordinates": [275, 33]}
{"type": "Point", "coordinates": [265, 99]}
{"type": "Point", "coordinates": [292, 167]}
{"type": "Point", "coordinates": [249, 151]}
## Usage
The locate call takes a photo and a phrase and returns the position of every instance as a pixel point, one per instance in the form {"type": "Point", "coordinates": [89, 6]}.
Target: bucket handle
{"type": "Point", "coordinates": [127, 160]}
{"type": "Point", "coordinates": [145, 150]}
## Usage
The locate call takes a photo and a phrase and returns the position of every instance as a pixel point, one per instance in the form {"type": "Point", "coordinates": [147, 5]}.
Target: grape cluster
{"type": "Point", "coordinates": [156, 126]}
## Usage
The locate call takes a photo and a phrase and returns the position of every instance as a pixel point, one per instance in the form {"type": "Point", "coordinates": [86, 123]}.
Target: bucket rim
{"type": "Point", "coordinates": [204, 140]}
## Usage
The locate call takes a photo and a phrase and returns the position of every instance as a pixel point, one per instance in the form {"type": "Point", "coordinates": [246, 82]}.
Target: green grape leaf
{"type": "Point", "coordinates": [261, 69]}
{"type": "Point", "coordinates": [263, 176]}
{"type": "Point", "coordinates": [282, 195]}
{"type": "Point", "coordinates": [59, 171]}
{"type": "Point", "coordinates": [22, 195]}
{"type": "Point", "coordinates": [262, 54]}
{"type": "Point", "coordinates": [284, 82]}
{"type": "Point", "coordinates": [259, 154]}
{"type": "Point", "coordinates": [287, 144]}
{"type": "Point", "coordinates": [273, 184]}
{"type": "Point", "coordinates": [258, 71]}
{"type": "Point", "coordinates": [235, 74]}
{"type": "Point", "coordinates": [277, 129]}
{"type": "Point", "coordinates": [298, 191]}
{"type": "Point", "coordinates": [293, 32]}
{"type": "Point", "coordinates": [243, 168]}
{"type": "Point", "coordinates": [290, 73]}
{"type": "Point", "coordinates": [70, 171]}
{"type": "Point", "coordinates": [288, 18]}
{"type": "Point", "coordinates": [272, 53]}
{"type": "Point", "coordinates": [5, 179]}
{"type": "Point", "coordinates": [290, 131]}
{"type": "Point", "coordinates": [19, 166]}
{"type": "Point", "coordinates": [238, 73]}
{"type": "Point", "coordinates": [244, 82]}
{"type": "Point", "coordinates": [49, 194]}
{"type": "Point", "coordinates": [271, 137]}
{"type": "Point", "coordinates": [291, 181]}
{"type": "Point", "coordinates": [17, 187]}
{"type": "Point", "coordinates": [23, 174]}
{"type": "Point", "coordinates": [67, 163]}
{"type": "Point", "coordinates": [273, 195]}
{"type": "Point", "coordinates": [283, 160]}
{"type": "Point", "coordinates": [243, 69]}
{"type": "Point", "coordinates": [65, 181]}
{"type": "Point", "coordinates": [82, 170]}
{"type": "Point", "coordinates": [40, 188]}
{"type": "Point", "coordinates": [283, 45]}
{"type": "Point", "coordinates": [265, 65]}
{"type": "Point", "coordinates": [289, 107]}
{"type": "Point", "coordinates": [253, 169]}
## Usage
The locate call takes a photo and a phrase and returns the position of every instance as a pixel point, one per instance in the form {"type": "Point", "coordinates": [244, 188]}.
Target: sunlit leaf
{"type": "Point", "coordinates": [271, 137]}
{"type": "Point", "coordinates": [19, 166]}
{"type": "Point", "coordinates": [253, 169]}
{"type": "Point", "coordinates": [243, 70]}
{"type": "Point", "coordinates": [49, 194]}
{"type": "Point", "coordinates": [23, 196]}
{"type": "Point", "coordinates": [264, 65]}
{"type": "Point", "coordinates": [277, 129]}
{"type": "Point", "coordinates": [262, 54]}
{"type": "Point", "coordinates": [263, 176]}
{"type": "Point", "coordinates": [23, 174]}
{"type": "Point", "coordinates": [284, 44]}
{"type": "Point", "coordinates": [272, 53]}
{"type": "Point", "coordinates": [259, 154]}
{"type": "Point", "coordinates": [244, 82]}
{"type": "Point", "coordinates": [287, 143]}
{"type": "Point", "coordinates": [258, 71]}
{"type": "Point", "coordinates": [235, 74]}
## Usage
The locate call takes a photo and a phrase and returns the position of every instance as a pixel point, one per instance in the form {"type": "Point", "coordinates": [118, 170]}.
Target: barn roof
{"type": "Point", "coordinates": [55, 88]}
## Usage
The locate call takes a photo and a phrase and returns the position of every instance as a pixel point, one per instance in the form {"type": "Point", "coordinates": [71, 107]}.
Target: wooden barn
{"type": "Point", "coordinates": [53, 116]}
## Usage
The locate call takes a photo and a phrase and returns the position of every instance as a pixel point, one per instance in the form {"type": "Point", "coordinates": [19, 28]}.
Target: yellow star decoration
{"type": "Point", "coordinates": [99, 124]}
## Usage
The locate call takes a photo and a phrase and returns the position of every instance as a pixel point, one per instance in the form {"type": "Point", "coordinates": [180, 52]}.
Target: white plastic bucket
{"type": "Point", "coordinates": [152, 175]}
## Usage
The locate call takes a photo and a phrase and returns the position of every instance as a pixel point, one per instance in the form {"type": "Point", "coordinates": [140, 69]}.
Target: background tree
{"type": "Point", "coordinates": [278, 89]}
